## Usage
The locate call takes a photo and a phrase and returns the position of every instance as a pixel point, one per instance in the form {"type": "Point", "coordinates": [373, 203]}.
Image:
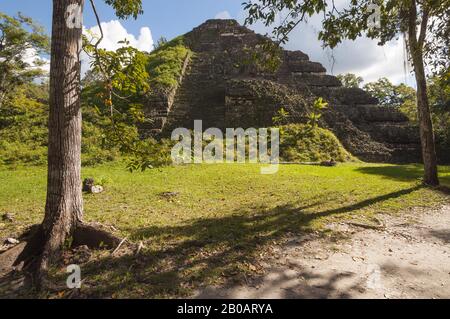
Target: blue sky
{"type": "Point", "coordinates": [170, 18]}
{"type": "Point", "coordinates": [167, 18]}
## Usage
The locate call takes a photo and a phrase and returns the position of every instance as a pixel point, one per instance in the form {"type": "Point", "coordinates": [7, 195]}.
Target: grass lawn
{"type": "Point", "coordinates": [221, 221]}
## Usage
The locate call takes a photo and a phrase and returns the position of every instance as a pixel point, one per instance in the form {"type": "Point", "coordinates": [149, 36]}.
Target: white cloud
{"type": "Point", "coordinates": [364, 56]}
{"type": "Point", "coordinates": [113, 32]}
{"type": "Point", "coordinates": [223, 15]}
{"type": "Point", "coordinates": [34, 60]}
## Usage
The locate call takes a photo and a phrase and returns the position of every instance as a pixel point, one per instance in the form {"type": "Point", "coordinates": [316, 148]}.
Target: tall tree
{"type": "Point", "coordinates": [63, 220]}
{"type": "Point", "coordinates": [389, 94]}
{"type": "Point", "coordinates": [424, 23]}
{"type": "Point", "coordinates": [64, 205]}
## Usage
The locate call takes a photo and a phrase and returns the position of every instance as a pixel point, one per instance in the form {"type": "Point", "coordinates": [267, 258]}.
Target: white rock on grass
{"type": "Point", "coordinates": [97, 189]}
{"type": "Point", "coordinates": [11, 241]}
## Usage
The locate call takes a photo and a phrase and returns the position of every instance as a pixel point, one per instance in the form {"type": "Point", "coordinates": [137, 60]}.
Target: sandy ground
{"type": "Point", "coordinates": [407, 258]}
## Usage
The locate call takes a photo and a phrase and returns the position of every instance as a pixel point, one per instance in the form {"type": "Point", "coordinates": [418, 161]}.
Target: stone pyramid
{"type": "Point", "coordinates": [223, 91]}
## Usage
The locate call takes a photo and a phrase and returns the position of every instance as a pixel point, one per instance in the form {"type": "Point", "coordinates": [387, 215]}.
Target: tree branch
{"type": "Point", "coordinates": [412, 32]}
{"type": "Point", "coordinates": [98, 23]}
{"type": "Point", "coordinates": [423, 27]}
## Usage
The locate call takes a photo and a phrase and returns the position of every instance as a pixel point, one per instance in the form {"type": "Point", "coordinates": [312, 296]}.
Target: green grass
{"type": "Point", "coordinates": [224, 217]}
{"type": "Point", "coordinates": [165, 64]}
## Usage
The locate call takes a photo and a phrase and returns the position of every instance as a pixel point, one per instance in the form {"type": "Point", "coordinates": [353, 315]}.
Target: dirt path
{"type": "Point", "coordinates": [408, 258]}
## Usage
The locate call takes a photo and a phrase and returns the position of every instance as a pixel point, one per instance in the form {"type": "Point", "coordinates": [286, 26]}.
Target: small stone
{"type": "Point", "coordinates": [169, 194]}
{"type": "Point", "coordinates": [390, 250]}
{"type": "Point", "coordinates": [11, 241]}
{"type": "Point", "coordinates": [8, 217]}
{"type": "Point", "coordinates": [88, 183]}
{"type": "Point", "coordinates": [330, 163]}
{"type": "Point", "coordinates": [97, 189]}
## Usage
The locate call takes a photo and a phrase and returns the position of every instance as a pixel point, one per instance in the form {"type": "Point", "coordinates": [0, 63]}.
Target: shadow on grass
{"type": "Point", "coordinates": [205, 252]}
{"type": "Point", "coordinates": [405, 173]}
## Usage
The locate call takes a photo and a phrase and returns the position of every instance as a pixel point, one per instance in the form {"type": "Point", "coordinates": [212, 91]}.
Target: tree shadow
{"type": "Point", "coordinates": [395, 172]}
{"type": "Point", "coordinates": [406, 173]}
{"type": "Point", "coordinates": [204, 252]}
{"type": "Point", "coordinates": [442, 234]}
{"type": "Point", "coordinates": [292, 285]}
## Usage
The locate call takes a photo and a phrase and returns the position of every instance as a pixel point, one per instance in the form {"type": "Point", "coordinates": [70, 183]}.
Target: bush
{"type": "Point", "coordinates": [304, 143]}
{"type": "Point", "coordinates": [24, 132]}
{"type": "Point", "coordinates": [23, 128]}
{"type": "Point", "coordinates": [95, 148]}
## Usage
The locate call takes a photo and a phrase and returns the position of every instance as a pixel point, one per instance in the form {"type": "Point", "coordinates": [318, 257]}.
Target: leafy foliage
{"type": "Point", "coordinates": [439, 93]}
{"type": "Point", "coordinates": [281, 118]}
{"type": "Point", "coordinates": [404, 98]}
{"type": "Point", "coordinates": [119, 82]}
{"type": "Point", "coordinates": [19, 36]}
{"type": "Point", "coordinates": [316, 113]}
{"type": "Point", "coordinates": [161, 42]}
{"type": "Point", "coordinates": [123, 70]}
{"type": "Point", "coordinates": [351, 20]}
{"type": "Point", "coordinates": [126, 8]}
{"type": "Point", "coordinates": [158, 154]}
{"type": "Point", "coordinates": [267, 10]}
{"type": "Point", "coordinates": [350, 80]}
{"type": "Point", "coordinates": [23, 130]}
{"type": "Point", "coordinates": [389, 94]}
{"type": "Point", "coordinates": [117, 88]}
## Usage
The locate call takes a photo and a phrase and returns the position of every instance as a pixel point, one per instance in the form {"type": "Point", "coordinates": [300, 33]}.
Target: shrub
{"type": "Point", "coordinates": [24, 132]}
{"type": "Point", "coordinates": [303, 143]}
{"type": "Point", "coordinates": [23, 128]}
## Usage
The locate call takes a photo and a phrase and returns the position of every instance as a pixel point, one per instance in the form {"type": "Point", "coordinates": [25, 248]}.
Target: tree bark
{"type": "Point", "coordinates": [426, 126]}
{"type": "Point", "coordinates": [423, 108]}
{"type": "Point", "coordinates": [64, 205]}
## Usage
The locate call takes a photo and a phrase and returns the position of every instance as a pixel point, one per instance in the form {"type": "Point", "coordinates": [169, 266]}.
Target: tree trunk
{"type": "Point", "coordinates": [64, 206]}
{"type": "Point", "coordinates": [426, 125]}
{"type": "Point", "coordinates": [423, 108]}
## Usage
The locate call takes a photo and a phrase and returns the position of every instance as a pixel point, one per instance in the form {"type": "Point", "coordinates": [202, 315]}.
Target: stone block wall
{"type": "Point", "coordinates": [222, 88]}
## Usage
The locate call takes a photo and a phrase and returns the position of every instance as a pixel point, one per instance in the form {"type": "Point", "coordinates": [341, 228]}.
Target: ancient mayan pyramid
{"type": "Point", "coordinates": [220, 89]}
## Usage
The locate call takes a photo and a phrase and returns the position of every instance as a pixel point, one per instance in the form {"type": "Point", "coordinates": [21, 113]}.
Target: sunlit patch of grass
{"type": "Point", "coordinates": [221, 220]}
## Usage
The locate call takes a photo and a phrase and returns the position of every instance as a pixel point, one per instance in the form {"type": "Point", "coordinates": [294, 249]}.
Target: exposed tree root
{"type": "Point", "coordinates": [94, 235]}
{"type": "Point", "coordinates": [8, 258]}
{"type": "Point", "coordinates": [34, 253]}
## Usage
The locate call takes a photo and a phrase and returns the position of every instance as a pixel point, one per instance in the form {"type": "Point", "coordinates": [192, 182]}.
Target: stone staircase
{"type": "Point", "coordinates": [386, 133]}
